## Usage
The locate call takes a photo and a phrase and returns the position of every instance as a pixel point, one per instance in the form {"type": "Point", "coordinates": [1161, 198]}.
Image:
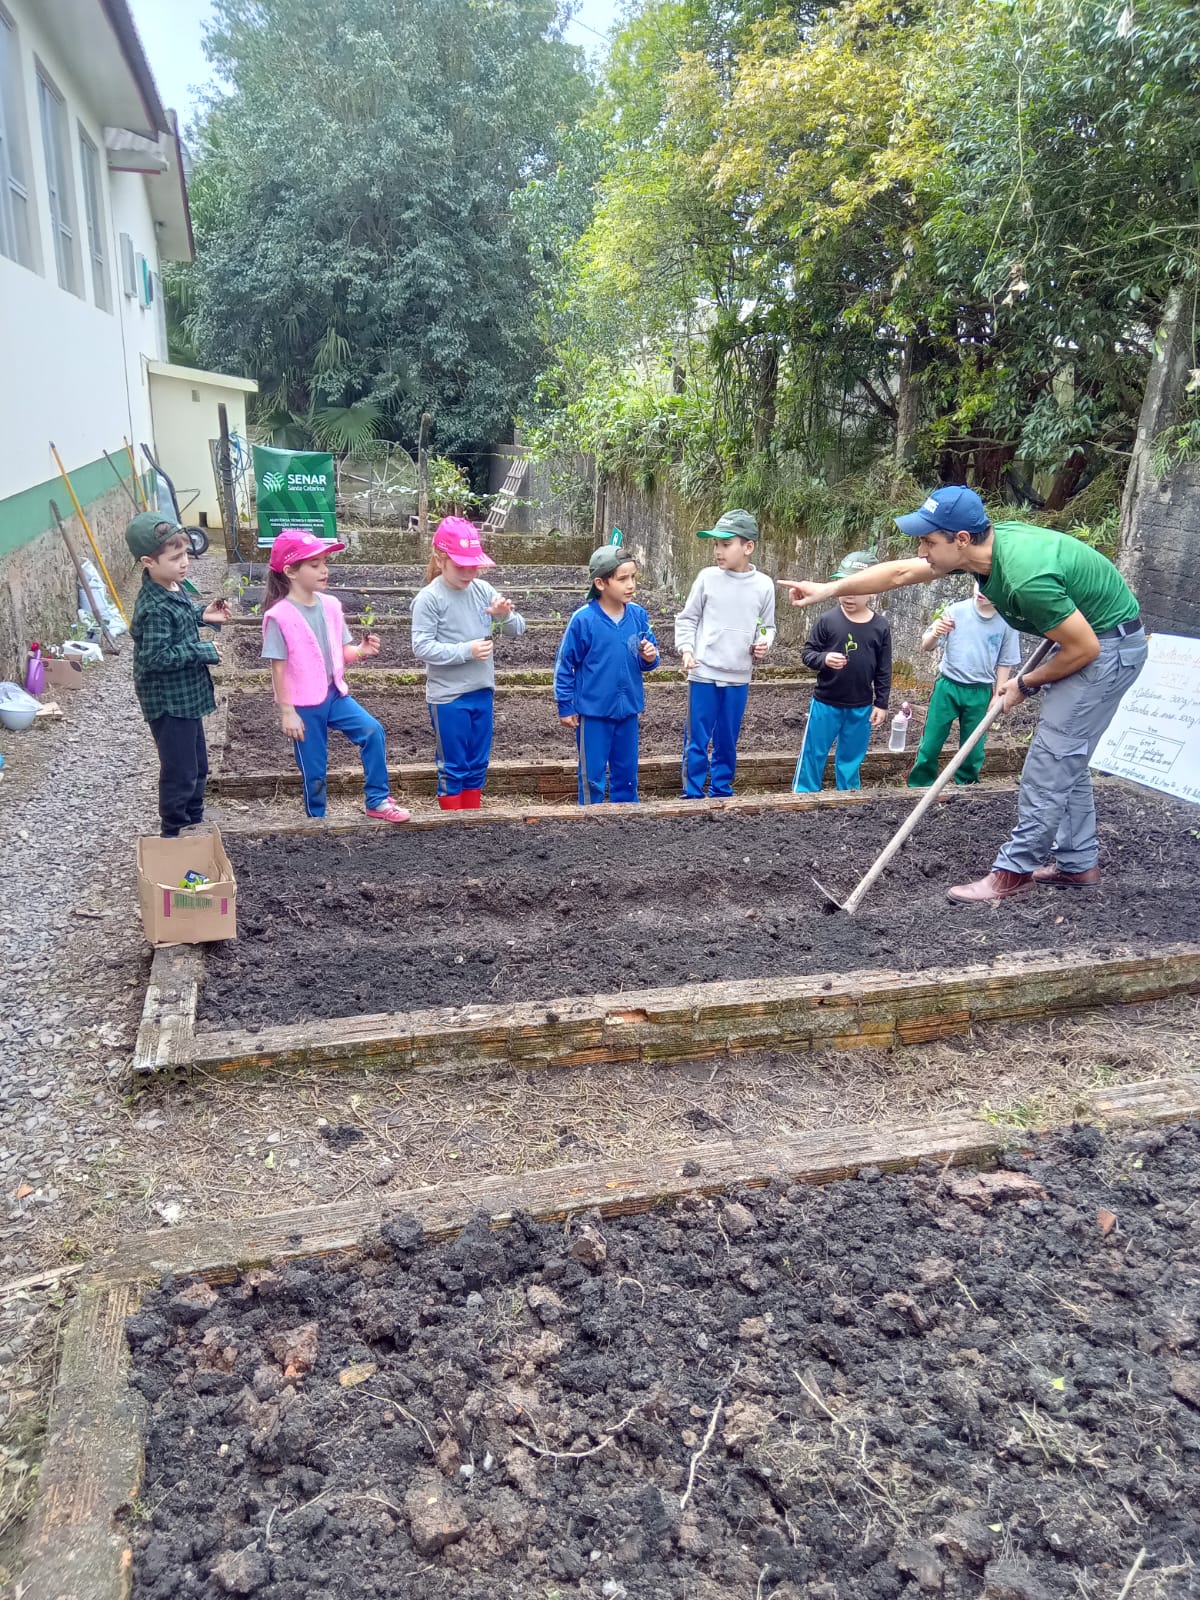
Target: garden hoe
{"type": "Point", "coordinates": [858, 895]}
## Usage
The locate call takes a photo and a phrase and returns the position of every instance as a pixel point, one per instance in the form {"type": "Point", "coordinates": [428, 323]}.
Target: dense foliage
{"type": "Point", "coordinates": [940, 233]}
{"type": "Point", "coordinates": [358, 249]}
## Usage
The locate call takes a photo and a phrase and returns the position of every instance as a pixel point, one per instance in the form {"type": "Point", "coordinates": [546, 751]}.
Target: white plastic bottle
{"type": "Point", "coordinates": [899, 736]}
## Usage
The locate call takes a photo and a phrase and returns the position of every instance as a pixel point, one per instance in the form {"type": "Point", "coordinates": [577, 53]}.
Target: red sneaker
{"type": "Point", "coordinates": [389, 811]}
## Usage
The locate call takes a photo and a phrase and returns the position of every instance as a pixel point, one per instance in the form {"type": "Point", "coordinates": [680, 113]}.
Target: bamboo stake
{"type": "Point", "coordinates": [112, 588]}
{"type": "Point", "coordinates": [140, 497]}
{"type": "Point", "coordinates": [105, 636]}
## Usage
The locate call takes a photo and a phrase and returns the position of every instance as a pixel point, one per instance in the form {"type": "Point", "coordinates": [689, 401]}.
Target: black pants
{"type": "Point", "coordinates": [183, 771]}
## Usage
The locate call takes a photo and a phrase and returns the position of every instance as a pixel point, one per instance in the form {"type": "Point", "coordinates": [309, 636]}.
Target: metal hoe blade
{"type": "Point", "coordinates": [834, 903]}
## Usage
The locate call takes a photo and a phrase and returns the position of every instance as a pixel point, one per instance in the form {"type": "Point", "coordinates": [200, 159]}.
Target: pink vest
{"type": "Point", "coordinates": [305, 680]}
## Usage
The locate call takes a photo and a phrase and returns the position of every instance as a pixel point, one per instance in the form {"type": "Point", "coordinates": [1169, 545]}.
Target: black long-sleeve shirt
{"type": "Point", "coordinates": [866, 679]}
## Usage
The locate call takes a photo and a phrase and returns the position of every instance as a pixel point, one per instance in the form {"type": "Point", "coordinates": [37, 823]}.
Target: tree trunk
{"type": "Point", "coordinates": [990, 463]}
{"type": "Point", "coordinates": [1065, 481]}
{"type": "Point", "coordinates": [766, 385]}
{"type": "Point", "coordinates": [914, 358]}
{"type": "Point", "coordinates": [1160, 520]}
{"type": "Point", "coordinates": [1160, 403]}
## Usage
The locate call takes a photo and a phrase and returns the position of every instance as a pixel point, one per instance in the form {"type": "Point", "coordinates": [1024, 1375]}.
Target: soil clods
{"type": "Point", "coordinates": [979, 1385]}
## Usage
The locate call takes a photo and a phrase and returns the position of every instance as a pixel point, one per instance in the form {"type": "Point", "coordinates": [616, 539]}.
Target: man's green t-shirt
{"type": "Point", "coordinates": [1040, 577]}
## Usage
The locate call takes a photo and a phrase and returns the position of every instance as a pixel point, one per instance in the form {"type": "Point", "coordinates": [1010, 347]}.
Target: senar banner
{"type": "Point", "coordinates": [294, 489]}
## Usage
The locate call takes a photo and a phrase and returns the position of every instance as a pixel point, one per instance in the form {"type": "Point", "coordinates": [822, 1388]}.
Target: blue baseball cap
{"type": "Point", "coordinates": [948, 509]}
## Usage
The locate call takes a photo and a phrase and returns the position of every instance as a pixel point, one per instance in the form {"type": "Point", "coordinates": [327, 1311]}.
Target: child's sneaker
{"type": "Point", "coordinates": [389, 811]}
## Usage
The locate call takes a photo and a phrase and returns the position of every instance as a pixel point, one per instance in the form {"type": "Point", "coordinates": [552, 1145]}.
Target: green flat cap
{"type": "Point", "coordinates": [733, 525]}
{"type": "Point", "coordinates": [148, 531]}
{"type": "Point", "coordinates": [857, 561]}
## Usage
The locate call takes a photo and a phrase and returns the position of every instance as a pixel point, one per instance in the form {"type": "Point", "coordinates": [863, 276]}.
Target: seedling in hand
{"type": "Point", "coordinates": [499, 611]}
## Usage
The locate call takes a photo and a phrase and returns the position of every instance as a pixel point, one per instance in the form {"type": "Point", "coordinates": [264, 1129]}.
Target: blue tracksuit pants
{"type": "Point", "coordinates": [847, 727]}
{"type": "Point", "coordinates": [608, 747]}
{"type": "Point", "coordinates": [714, 718]}
{"type": "Point", "coordinates": [462, 734]}
{"type": "Point", "coordinates": [343, 713]}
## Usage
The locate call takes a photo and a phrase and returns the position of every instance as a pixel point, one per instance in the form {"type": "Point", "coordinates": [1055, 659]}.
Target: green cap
{"type": "Point", "coordinates": [604, 562]}
{"type": "Point", "coordinates": [149, 531]}
{"type": "Point", "coordinates": [733, 525]}
{"type": "Point", "coordinates": [857, 561]}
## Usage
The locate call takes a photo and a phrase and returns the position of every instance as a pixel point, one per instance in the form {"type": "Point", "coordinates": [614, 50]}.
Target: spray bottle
{"type": "Point", "coordinates": [35, 672]}
{"type": "Point", "coordinates": [899, 734]}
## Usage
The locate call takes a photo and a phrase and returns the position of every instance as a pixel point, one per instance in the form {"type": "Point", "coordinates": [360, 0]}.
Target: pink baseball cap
{"type": "Point", "coordinates": [297, 544]}
{"type": "Point", "coordinates": [458, 539]}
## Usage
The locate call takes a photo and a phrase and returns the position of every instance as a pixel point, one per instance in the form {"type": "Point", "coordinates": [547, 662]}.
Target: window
{"type": "Point", "coordinates": [59, 182]}
{"type": "Point", "coordinates": [89, 161]}
{"type": "Point", "coordinates": [15, 238]}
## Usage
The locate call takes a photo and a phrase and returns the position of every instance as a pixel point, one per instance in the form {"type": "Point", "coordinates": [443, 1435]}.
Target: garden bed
{"type": "Point", "coordinates": [536, 649]}
{"type": "Point", "coordinates": [413, 921]}
{"type": "Point", "coordinates": [528, 729]}
{"type": "Point", "coordinates": [537, 599]}
{"type": "Point", "coordinates": [410, 575]}
{"type": "Point", "coordinates": [978, 1385]}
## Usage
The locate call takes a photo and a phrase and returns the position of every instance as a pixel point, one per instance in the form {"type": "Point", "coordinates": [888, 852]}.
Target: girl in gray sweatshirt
{"type": "Point", "coordinates": [453, 619]}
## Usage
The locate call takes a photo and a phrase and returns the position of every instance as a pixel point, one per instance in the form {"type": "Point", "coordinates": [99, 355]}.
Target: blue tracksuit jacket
{"type": "Point", "coordinates": [599, 668]}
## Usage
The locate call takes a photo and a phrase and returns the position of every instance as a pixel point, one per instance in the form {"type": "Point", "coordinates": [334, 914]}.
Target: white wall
{"type": "Point", "coordinates": [185, 419]}
{"type": "Point", "coordinates": [70, 371]}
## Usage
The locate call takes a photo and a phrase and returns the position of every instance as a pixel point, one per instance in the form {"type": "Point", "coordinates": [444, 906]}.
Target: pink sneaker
{"type": "Point", "coordinates": [389, 811]}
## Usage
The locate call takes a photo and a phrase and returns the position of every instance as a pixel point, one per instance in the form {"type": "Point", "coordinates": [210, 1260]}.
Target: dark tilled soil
{"type": "Point", "coordinates": [528, 729]}
{"type": "Point", "coordinates": [540, 604]}
{"type": "Point", "coordinates": [411, 575]}
{"type": "Point", "coordinates": [535, 649]}
{"type": "Point", "coordinates": [940, 1383]}
{"type": "Point", "coordinates": [399, 921]}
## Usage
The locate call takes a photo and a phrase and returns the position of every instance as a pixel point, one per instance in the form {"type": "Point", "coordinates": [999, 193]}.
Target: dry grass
{"type": "Point", "coordinates": [254, 1144]}
{"type": "Point", "coordinates": [28, 1381]}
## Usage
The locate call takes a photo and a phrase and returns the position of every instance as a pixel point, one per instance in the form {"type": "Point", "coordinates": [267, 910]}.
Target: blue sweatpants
{"type": "Point", "coordinates": [343, 713]}
{"type": "Point", "coordinates": [849, 727]}
{"type": "Point", "coordinates": [462, 735]}
{"type": "Point", "coordinates": [608, 747]}
{"type": "Point", "coordinates": [714, 717]}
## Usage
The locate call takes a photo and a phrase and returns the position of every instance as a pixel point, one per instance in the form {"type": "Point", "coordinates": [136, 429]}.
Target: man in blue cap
{"type": "Point", "coordinates": [1047, 583]}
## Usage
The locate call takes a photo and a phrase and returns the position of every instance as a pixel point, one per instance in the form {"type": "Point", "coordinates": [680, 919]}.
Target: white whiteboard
{"type": "Point", "coordinates": [1154, 738]}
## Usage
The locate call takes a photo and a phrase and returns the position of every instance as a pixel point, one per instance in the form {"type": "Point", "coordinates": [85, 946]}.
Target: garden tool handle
{"type": "Point", "coordinates": [939, 783]}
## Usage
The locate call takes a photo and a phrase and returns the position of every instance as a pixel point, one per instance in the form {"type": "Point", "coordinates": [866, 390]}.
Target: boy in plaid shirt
{"type": "Point", "coordinates": [170, 667]}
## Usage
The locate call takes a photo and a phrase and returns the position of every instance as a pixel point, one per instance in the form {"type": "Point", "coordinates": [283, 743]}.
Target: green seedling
{"type": "Point", "coordinates": [368, 615]}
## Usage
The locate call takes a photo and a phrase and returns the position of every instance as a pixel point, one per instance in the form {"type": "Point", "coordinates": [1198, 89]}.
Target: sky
{"type": "Point", "coordinates": [171, 32]}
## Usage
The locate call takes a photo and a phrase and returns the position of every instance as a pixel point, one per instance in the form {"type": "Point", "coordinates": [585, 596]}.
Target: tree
{"type": "Point", "coordinates": [358, 251]}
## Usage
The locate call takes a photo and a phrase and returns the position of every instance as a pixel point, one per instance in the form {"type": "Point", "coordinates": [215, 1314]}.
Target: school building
{"type": "Point", "coordinates": [93, 201]}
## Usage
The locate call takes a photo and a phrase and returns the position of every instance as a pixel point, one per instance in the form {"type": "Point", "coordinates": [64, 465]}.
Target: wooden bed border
{"type": "Point", "coordinates": [867, 1009]}
{"type": "Point", "coordinates": [506, 677]}
{"type": "Point", "coordinates": [558, 780]}
{"type": "Point", "coordinates": [78, 1546]}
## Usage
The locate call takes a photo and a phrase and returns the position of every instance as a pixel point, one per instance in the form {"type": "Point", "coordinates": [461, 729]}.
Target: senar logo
{"type": "Point", "coordinates": [272, 482]}
{"type": "Point", "coordinates": [305, 480]}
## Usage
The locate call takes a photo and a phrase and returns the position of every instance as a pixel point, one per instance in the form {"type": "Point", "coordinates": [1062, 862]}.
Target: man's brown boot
{"type": "Point", "coordinates": [1054, 874]}
{"type": "Point", "coordinates": [998, 885]}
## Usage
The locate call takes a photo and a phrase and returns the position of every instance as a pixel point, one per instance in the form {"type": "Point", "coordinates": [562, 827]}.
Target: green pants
{"type": "Point", "coordinates": [950, 701]}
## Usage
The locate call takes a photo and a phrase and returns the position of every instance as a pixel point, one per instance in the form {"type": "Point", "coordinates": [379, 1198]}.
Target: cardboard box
{"type": "Point", "coordinates": [171, 915]}
{"type": "Point", "coordinates": [62, 673]}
